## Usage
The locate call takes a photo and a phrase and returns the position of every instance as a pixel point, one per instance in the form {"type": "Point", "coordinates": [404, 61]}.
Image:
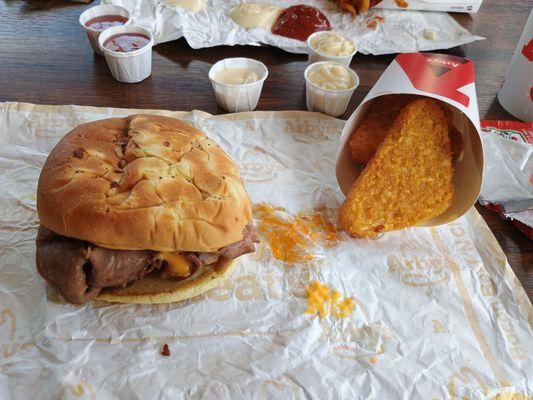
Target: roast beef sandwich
{"type": "Point", "coordinates": [142, 209]}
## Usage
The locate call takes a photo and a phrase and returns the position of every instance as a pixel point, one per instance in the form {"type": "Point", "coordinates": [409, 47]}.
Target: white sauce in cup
{"type": "Point", "coordinates": [236, 76]}
{"type": "Point", "coordinates": [333, 44]}
{"type": "Point", "coordinates": [331, 76]}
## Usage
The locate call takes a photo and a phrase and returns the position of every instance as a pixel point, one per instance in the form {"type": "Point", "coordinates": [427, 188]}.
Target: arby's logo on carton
{"type": "Point", "coordinates": [439, 74]}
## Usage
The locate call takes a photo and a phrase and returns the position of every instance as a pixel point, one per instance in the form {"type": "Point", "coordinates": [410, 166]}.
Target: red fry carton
{"type": "Point", "coordinates": [446, 78]}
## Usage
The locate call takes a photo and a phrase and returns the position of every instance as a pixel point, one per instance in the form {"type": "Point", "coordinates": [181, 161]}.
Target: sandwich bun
{"type": "Point", "coordinates": [154, 290]}
{"type": "Point", "coordinates": [143, 182]}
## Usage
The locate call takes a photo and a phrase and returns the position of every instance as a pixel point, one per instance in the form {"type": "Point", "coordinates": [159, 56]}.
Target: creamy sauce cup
{"type": "Point", "coordinates": [100, 11]}
{"type": "Point", "coordinates": [133, 66]}
{"type": "Point", "coordinates": [238, 97]}
{"type": "Point", "coordinates": [315, 55]}
{"type": "Point", "coordinates": [328, 101]}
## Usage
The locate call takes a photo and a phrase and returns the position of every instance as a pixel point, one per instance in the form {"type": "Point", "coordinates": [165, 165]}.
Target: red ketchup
{"type": "Point", "coordinates": [105, 21]}
{"type": "Point", "coordinates": [299, 22]}
{"type": "Point", "coordinates": [126, 42]}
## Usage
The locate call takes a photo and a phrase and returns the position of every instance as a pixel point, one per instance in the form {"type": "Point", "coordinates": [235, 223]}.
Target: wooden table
{"type": "Point", "coordinates": [45, 58]}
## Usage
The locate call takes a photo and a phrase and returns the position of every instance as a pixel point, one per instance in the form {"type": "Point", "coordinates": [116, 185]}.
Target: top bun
{"type": "Point", "coordinates": [143, 182]}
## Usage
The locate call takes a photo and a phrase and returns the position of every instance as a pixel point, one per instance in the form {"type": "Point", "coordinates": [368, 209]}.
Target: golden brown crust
{"type": "Point", "coordinates": [154, 290]}
{"type": "Point", "coordinates": [375, 125]}
{"type": "Point", "coordinates": [409, 179]}
{"type": "Point", "coordinates": [143, 182]}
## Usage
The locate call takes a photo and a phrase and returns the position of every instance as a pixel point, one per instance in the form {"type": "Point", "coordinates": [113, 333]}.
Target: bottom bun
{"type": "Point", "coordinates": [152, 289]}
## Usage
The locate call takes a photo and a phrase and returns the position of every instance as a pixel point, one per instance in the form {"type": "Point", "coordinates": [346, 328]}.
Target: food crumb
{"type": "Point", "coordinates": [429, 34]}
{"type": "Point", "coordinates": [372, 22]}
{"type": "Point", "coordinates": [78, 153]}
{"type": "Point", "coordinates": [323, 300]}
{"type": "Point", "coordinates": [165, 351]}
{"type": "Point", "coordinates": [373, 360]}
{"type": "Point", "coordinates": [402, 3]}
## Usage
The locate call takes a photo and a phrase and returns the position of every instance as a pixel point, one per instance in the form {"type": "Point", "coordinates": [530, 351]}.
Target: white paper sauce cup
{"type": "Point", "coordinates": [316, 56]}
{"type": "Point", "coordinates": [131, 67]}
{"type": "Point", "coordinates": [328, 101]}
{"type": "Point", "coordinates": [98, 11]}
{"type": "Point", "coordinates": [237, 98]}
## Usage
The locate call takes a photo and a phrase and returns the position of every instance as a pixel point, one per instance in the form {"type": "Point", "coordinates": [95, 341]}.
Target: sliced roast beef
{"type": "Point", "coordinates": [112, 268]}
{"type": "Point", "coordinates": [195, 260]}
{"type": "Point", "coordinates": [246, 245]}
{"type": "Point", "coordinates": [251, 231]}
{"type": "Point", "coordinates": [207, 258]}
{"type": "Point", "coordinates": [61, 262]}
{"type": "Point", "coordinates": [80, 270]}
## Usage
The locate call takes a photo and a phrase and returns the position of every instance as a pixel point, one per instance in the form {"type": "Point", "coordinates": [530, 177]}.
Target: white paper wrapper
{"type": "Point", "coordinates": [508, 149]}
{"type": "Point", "coordinates": [439, 313]}
{"type": "Point", "coordinates": [399, 32]}
{"type": "Point", "coordinates": [508, 168]}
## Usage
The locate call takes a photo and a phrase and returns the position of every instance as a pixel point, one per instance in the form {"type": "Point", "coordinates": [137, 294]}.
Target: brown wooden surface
{"type": "Point", "coordinates": [45, 58]}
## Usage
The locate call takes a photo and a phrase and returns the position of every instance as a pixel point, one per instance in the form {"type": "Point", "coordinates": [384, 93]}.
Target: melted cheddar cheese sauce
{"type": "Point", "coordinates": [177, 264]}
{"type": "Point", "coordinates": [293, 239]}
{"type": "Point", "coordinates": [191, 5]}
{"type": "Point", "coordinates": [323, 300]}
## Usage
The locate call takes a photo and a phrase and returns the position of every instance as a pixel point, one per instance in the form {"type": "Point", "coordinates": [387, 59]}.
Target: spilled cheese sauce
{"type": "Point", "coordinates": [177, 264]}
{"type": "Point", "coordinates": [255, 15]}
{"type": "Point", "coordinates": [191, 5]}
{"type": "Point", "coordinates": [324, 301]}
{"type": "Point", "coordinates": [295, 239]}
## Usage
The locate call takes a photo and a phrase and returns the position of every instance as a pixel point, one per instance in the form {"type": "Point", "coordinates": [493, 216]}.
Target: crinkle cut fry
{"type": "Point", "coordinates": [409, 179]}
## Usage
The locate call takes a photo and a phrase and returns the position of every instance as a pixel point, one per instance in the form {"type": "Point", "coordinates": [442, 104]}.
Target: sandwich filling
{"type": "Point", "coordinates": [80, 270]}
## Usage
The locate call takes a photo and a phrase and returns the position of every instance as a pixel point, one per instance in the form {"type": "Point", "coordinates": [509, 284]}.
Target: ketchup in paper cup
{"type": "Point", "coordinates": [128, 51]}
{"type": "Point", "coordinates": [96, 19]}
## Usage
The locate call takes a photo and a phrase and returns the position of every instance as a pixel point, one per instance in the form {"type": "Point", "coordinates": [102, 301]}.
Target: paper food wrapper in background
{"type": "Point", "coordinates": [508, 184]}
{"type": "Point", "coordinates": [376, 32]}
{"type": "Point", "coordinates": [516, 93]}
{"type": "Point", "coordinates": [464, 6]}
{"type": "Point", "coordinates": [438, 311]}
{"type": "Point", "coordinates": [446, 78]}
